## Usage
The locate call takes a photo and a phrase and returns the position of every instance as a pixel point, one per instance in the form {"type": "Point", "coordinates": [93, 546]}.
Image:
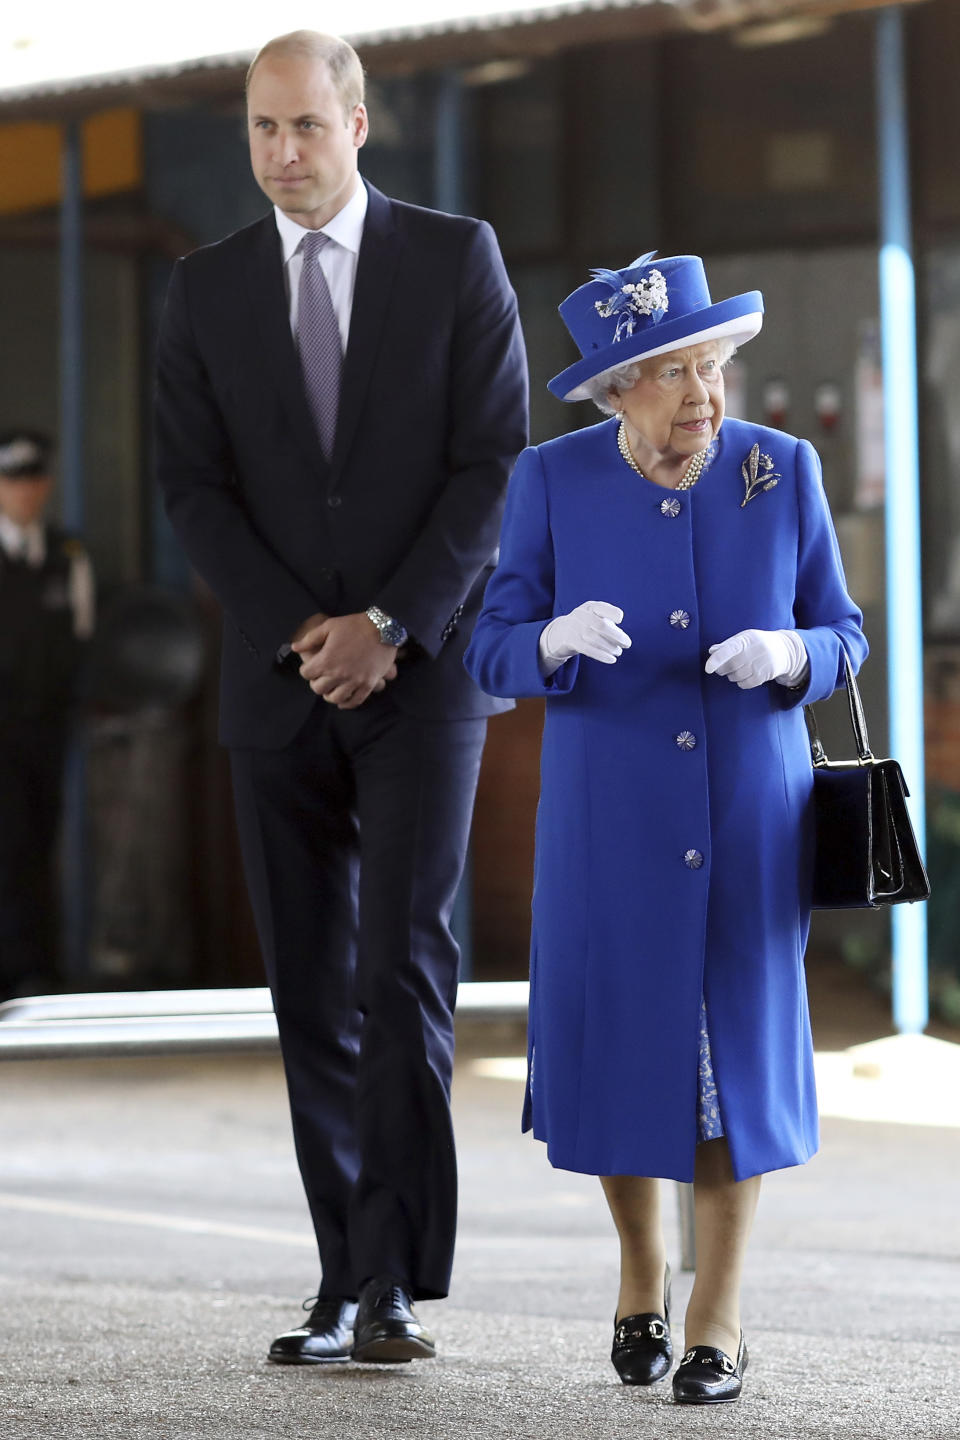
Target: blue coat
{"type": "Point", "coordinates": [628, 934]}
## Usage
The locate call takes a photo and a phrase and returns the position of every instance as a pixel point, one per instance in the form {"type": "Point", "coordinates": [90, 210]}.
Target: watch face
{"type": "Point", "coordinates": [391, 631]}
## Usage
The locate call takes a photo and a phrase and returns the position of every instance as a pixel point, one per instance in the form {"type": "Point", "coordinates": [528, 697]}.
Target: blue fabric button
{"type": "Point", "coordinates": [692, 859]}
{"type": "Point", "coordinates": [679, 619]}
{"type": "Point", "coordinates": [671, 508]}
{"type": "Point", "coordinates": [686, 740]}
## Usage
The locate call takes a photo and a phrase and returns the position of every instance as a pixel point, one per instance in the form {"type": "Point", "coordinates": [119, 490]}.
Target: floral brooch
{"type": "Point", "coordinates": [758, 474]}
{"type": "Point", "coordinates": [627, 303]}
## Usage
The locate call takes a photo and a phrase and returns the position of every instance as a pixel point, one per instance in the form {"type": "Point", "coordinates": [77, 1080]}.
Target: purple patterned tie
{"type": "Point", "coordinates": [318, 340]}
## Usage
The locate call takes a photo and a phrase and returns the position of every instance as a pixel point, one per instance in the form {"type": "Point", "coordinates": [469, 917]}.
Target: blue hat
{"type": "Point", "coordinates": [624, 315]}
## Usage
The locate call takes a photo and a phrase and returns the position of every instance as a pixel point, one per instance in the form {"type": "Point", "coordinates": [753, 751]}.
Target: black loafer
{"type": "Point", "coordinates": [706, 1376]}
{"type": "Point", "coordinates": [642, 1350]}
{"type": "Point", "coordinates": [326, 1337]}
{"type": "Point", "coordinates": [386, 1330]}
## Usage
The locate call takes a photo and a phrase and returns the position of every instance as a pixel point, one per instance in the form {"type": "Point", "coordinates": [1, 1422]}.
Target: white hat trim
{"type": "Point", "coordinates": [742, 329]}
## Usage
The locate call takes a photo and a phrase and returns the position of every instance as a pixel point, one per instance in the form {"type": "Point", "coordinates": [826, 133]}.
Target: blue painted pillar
{"type": "Point", "coordinates": [448, 194]}
{"type": "Point", "coordinates": [76, 870]}
{"type": "Point", "coordinates": [448, 156]}
{"type": "Point", "coordinates": [898, 325]}
{"type": "Point", "coordinates": [71, 327]}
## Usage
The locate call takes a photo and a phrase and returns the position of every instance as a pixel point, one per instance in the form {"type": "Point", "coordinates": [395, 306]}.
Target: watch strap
{"type": "Point", "coordinates": [391, 630]}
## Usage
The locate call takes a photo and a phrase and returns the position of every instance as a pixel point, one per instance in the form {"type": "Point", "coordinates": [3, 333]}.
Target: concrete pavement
{"type": "Point", "coordinates": [154, 1240]}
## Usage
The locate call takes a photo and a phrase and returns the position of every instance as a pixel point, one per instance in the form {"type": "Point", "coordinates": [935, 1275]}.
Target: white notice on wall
{"type": "Point", "coordinates": [735, 389]}
{"type": "Point", "coordinates": [868, 388]}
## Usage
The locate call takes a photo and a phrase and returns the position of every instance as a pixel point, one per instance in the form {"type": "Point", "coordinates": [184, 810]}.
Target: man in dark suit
{"type": "Point", "coordinates": [341, 396]}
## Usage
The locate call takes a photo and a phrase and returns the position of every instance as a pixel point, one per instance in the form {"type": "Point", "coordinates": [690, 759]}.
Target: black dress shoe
{"type": "Point", "coordinates": [326, 1337]}
{"type": "Point", "coordinates": [386, 1331]}
{"type": "Point", "coordinates": [706, 1376]}
{"type": "Point", "coordinates": [642, 1350]}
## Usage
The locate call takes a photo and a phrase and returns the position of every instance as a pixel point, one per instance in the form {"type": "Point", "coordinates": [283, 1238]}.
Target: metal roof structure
{"type": "Point", "coordinates": [59, 58]}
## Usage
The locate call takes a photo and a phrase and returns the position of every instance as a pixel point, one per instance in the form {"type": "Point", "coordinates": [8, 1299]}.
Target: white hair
{"type": "Point", "coordinates": [622, 377]}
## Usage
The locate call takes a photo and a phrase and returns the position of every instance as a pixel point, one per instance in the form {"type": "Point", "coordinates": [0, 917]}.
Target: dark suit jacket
{"type": "Point", "coordinates": [406, 515]}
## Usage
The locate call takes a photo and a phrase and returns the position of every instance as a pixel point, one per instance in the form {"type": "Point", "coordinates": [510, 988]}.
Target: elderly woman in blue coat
{"type": "Point", "coordinates": [671, 583]}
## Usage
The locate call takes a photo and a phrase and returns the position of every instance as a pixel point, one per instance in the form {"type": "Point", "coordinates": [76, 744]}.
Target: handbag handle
{"type": "Point", "coordinates": [858, 721]}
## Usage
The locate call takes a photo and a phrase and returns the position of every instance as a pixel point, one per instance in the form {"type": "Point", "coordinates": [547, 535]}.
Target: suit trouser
{"type": "Point", "coordinates": [31, 785]}
{"type": "Point", "coordinates": [353, 839]}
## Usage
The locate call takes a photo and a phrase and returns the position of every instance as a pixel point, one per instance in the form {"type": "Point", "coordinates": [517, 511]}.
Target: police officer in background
{"type": "Point", "coordinates": [46, 615]}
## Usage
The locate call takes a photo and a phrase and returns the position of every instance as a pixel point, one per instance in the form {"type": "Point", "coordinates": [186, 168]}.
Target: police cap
{"type": "Point", "coordinates": [24, 455]}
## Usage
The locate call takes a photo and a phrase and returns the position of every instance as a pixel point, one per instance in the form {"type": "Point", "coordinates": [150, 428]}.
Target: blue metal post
{"type": "Point", "coordinates": [904, 600]}
{"type": "Point", "coordinates": [448, 193]}
{"type": "Point", "coordinates": [71, 327]}
{"type": "Point", "coordinates": [448, 167]}
{"type": "Point", "coordinates": [75, 866]}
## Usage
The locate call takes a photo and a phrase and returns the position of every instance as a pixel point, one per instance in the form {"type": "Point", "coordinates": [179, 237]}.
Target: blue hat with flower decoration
{"type": "Point", "coordinates": [646, 309]}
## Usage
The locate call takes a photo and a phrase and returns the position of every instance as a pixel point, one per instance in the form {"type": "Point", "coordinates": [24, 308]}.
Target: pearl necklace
{"type": "Point", "coordinates": [687, 480]}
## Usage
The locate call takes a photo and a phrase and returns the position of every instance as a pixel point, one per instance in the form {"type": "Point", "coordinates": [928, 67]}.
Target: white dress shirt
{"type": "Point", "coordinates": [338, 261]}
{"type": "Point", "coordinates": [23, 542]}
{"type": "Point", "coordinates": [29, 543]}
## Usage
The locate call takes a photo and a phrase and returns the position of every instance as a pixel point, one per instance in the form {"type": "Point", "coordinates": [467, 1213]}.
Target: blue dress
{"type": "Point", "coordinates": [673, 833]}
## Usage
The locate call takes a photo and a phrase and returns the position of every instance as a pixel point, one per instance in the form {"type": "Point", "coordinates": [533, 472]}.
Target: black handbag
{"type": "Point", "coordinates": [866, 853]}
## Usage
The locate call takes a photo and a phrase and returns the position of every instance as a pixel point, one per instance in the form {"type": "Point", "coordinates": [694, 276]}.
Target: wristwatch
{"type": "Point", "coordinates": [391, 631]}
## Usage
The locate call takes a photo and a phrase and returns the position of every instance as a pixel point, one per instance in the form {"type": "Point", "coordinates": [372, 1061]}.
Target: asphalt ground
{"type": "Point", "coordinates": [154, 1239]}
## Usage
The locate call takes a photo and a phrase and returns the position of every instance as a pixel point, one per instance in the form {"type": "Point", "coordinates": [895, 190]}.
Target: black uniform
{"type": "Point", "coordinates": [39, 667]}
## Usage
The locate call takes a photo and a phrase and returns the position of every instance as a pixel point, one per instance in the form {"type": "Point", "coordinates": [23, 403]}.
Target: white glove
{"type": "Point", "coordinates": [591, 629]}
{"type": "Point", "coordinates": [752, 657]}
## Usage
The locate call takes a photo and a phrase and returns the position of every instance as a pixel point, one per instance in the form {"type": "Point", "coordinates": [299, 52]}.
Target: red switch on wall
{"type": "Point", "coordinates": [827, 401]}
{"type": "Point", "coordinates": [776, 403]}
